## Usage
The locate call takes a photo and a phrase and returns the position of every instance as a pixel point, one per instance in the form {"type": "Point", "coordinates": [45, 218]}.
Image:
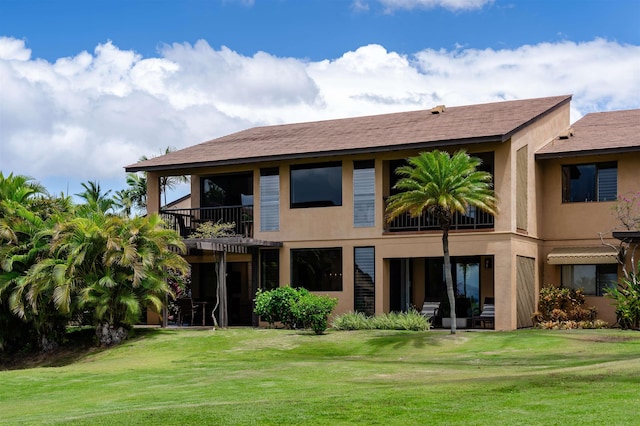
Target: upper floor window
{"type": "Point", "coordinates": [364, 192]}
{"type": "Point", "coordinates": [316, 185]}
{"type": "Point", "coordinates": [227, 190]}
{"type": "Point", "coordinates": [589, 182]}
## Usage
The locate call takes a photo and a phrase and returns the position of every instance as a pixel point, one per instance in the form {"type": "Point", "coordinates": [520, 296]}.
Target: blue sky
{"type": "Point", "coordinates": [87, 87]}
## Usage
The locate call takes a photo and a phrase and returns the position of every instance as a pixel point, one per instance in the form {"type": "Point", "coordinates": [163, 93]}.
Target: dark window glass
{"type": "Point", "coordinates": [317, 269]}
{"type": "Point", "coordinates": [364, 280]}
{"type": "Point", "coordinates": [269, 269]}
{"type": "Point", "coordinates": [589, 182]}
{"type": "Point", "coordinates": [227, 190]}
{"type": "Point", "coordinates": [593, 279]}
{"type": "Point", "coordinates": [316, 185]}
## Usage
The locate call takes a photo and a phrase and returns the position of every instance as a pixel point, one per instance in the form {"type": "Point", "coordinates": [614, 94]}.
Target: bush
{"type": "Point", "coordinates": [276, 305]}
{"type": "Point", "coordinates": [411, 320]}
{"type": "Point", "coordinates": [562, 309]}
{"type": "Point", "coordinates": [627, 298]}
{"type": "Point", "coordinates": [312, 311]}
{"type": "Point", "coordinates": [294, 307]}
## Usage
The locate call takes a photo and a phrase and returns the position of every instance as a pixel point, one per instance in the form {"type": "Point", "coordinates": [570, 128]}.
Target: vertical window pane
{"type": "Point", "coordinates": [269, 200]}
{"type": "Point", "coordinates": [607, 184]}
{"type": "Point", "coordinates": [364, 280]}
{"type": "Point", "coordinates": [363, 196]}
{"type": "Point", "coordinates": [269, 269]}
{"type": "Point", "coordinates": [607, 278]}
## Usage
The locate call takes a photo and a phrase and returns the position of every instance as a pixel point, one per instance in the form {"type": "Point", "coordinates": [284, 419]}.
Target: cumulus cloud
{"type": "Point", "coordinates": [85, 117]}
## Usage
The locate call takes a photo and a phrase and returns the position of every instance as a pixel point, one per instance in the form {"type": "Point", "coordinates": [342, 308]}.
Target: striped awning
{"type": "Point", "coordinates": [582, 255]}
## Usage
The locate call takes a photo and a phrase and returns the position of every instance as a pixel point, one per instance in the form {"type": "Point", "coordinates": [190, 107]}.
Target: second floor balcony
{"type": "Point", "coordinates": [186, 221]}
{"type": "Point", "coordinates": [472, 219]}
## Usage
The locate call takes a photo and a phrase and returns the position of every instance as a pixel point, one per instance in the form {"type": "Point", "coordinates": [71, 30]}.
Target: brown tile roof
{"type": "Point", "coordinates": [456, 125]}
{"type": "Point", "coordinates": [598, 133]}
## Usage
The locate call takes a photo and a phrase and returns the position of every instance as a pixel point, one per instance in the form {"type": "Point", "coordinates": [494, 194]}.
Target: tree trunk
{"type": "Point", "coordinates": [449, 279]}
{"type": "Point", "coordinates": [108, 334]}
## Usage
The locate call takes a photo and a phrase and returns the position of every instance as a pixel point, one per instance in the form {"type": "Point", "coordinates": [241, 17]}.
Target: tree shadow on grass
{"type": "Point", "coordinates": [79, 343]}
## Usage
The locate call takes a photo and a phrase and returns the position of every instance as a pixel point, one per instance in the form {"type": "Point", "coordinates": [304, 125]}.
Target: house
{"type": "Point", "coordinates": [308, 201]}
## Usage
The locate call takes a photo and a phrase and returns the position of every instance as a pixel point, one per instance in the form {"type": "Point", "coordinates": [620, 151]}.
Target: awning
{"type": "Point", "coordinates": [582, 255]}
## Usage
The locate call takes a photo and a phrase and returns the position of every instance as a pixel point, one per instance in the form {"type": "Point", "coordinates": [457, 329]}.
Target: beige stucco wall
{"type": "Point", "coordinates": [579, 224]}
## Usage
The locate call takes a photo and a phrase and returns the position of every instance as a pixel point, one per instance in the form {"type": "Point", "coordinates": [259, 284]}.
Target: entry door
{"type": "Point", "coordinates": [400, 294]}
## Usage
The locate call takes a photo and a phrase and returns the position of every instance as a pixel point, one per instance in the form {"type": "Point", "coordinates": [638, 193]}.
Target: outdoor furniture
{"type": "Point", "coordinates": [430, 309]}
{"type": "Point", "coordinates": [487, 316]}
{"type": "Point", "coordinates": [186, 308]}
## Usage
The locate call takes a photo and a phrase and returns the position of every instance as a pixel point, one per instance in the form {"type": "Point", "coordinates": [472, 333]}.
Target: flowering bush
{"type": "Point", "coordinates": [627, 210]}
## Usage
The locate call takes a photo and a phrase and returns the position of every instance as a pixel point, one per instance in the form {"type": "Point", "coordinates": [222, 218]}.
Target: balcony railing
{"type": "Point", "coordinates": [186, 221]}
{"type": "Point", "coordinates": [473, 219]}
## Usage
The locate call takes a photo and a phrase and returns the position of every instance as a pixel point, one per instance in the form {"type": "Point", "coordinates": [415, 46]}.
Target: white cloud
{"type": "Point", "coordinates": [453, 5]}
{"type": "Point", "coordinates": [85, 117]}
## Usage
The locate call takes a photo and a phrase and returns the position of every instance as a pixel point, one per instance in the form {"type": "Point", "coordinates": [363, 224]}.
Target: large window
{"type": "Point", "coordinates": [594, 279]}
{"type": "Point", "coordinates": [589, 182]}
{"type": "Point", "coordinates": [317, 269]}
{"type": "Point", "coordinates": [227, 190]}
{"type": "Point", "coordinates": [316, 185]}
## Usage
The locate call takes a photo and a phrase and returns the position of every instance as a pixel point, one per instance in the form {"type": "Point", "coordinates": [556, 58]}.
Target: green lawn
{"type": "Point", "coordinates": [278, 377]}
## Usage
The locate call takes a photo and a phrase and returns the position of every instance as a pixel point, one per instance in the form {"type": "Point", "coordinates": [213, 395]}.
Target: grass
{"type": "Point", "coordinates": [277, 377]}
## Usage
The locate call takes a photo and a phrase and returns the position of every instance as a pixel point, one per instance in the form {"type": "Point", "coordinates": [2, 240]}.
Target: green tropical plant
{"type": "Point", "coordinates": [443, 185]}
{"type": "Point", "coordinates": [627, 299]}
{"type": "Point", "coordinates": [95, 198]}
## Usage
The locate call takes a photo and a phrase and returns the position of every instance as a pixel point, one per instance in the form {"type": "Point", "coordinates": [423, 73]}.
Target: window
{"type": "Point", "coordinates": [364, 192]}
{"type": "Point", "coordinates": [594, 279]}
{"type": "Point", "coordinates": [269, 269]}
{"type": "Point", "coordinates": [589, 182]}
{"type": "Point", "coordinates": [269, 200]}
{"type": "Point", "coordinates": [317, 269]}
{"type": "Point", "coordinates": [364, 280]}
{"type": "Point", "coordinates": [316, 185]}
{"type": "Point", "coordinates": [227, 190]}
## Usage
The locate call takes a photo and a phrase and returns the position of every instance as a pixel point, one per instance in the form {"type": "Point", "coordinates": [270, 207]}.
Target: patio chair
{"type": "Point", "coordinates": [430, 308]}
{"type": "Point", "coordinates": [186, 308]}
{"type": "Point", "coordinates": [488, 314]}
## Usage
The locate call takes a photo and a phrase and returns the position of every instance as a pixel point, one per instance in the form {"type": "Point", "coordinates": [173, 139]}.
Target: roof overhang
{"type": "Point", "coordinates": [319, 154]}
{"type": "Point", "coordinates": [627, 236]}
{"type": "Point", "coordinates": [587, 152]}
{"type": "Point", "coordinates": [582, 255]}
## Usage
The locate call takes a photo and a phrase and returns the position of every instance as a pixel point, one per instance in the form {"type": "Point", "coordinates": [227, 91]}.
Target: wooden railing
{"type": "Point", "coordinates": [473, 219]}
{"type": "Point", "coordinates": [186, 221]}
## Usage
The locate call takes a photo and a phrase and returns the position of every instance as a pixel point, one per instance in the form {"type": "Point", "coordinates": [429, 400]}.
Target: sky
{"type": "Point", "coordinates": [88, 87]}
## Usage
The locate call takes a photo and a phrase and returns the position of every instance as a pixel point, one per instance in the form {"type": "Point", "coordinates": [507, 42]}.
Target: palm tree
{"type": "Point", "coordinates": [137, 190]}
{"type": "Point", "coordinates": [95, 198]}
{"type": "Point", "coordinates": [167, 182]}
{"type": "Point", "coordinates": [442, 185]}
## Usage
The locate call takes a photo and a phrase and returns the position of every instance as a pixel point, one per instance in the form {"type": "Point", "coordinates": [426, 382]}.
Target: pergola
{"type": "Point", "coordinates": [219, 247]}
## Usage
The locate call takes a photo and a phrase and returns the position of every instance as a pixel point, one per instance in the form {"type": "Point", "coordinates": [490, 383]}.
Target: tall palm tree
{"type": "Point", "coordinates": [137, 190]}
{"type": "Point", "coordinates": [443, 185]}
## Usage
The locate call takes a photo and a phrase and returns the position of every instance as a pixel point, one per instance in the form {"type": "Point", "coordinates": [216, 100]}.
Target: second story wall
{"type": "Point", "coordinates": [580, 220]}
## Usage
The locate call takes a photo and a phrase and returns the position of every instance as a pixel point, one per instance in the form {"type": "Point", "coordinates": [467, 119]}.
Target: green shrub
{"type": "Point", "coordinates": [312, 311]}
{"type": "Point", "coordinates": [411, 320]}
{"type": "Point", "coordinates": [276, 305]}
